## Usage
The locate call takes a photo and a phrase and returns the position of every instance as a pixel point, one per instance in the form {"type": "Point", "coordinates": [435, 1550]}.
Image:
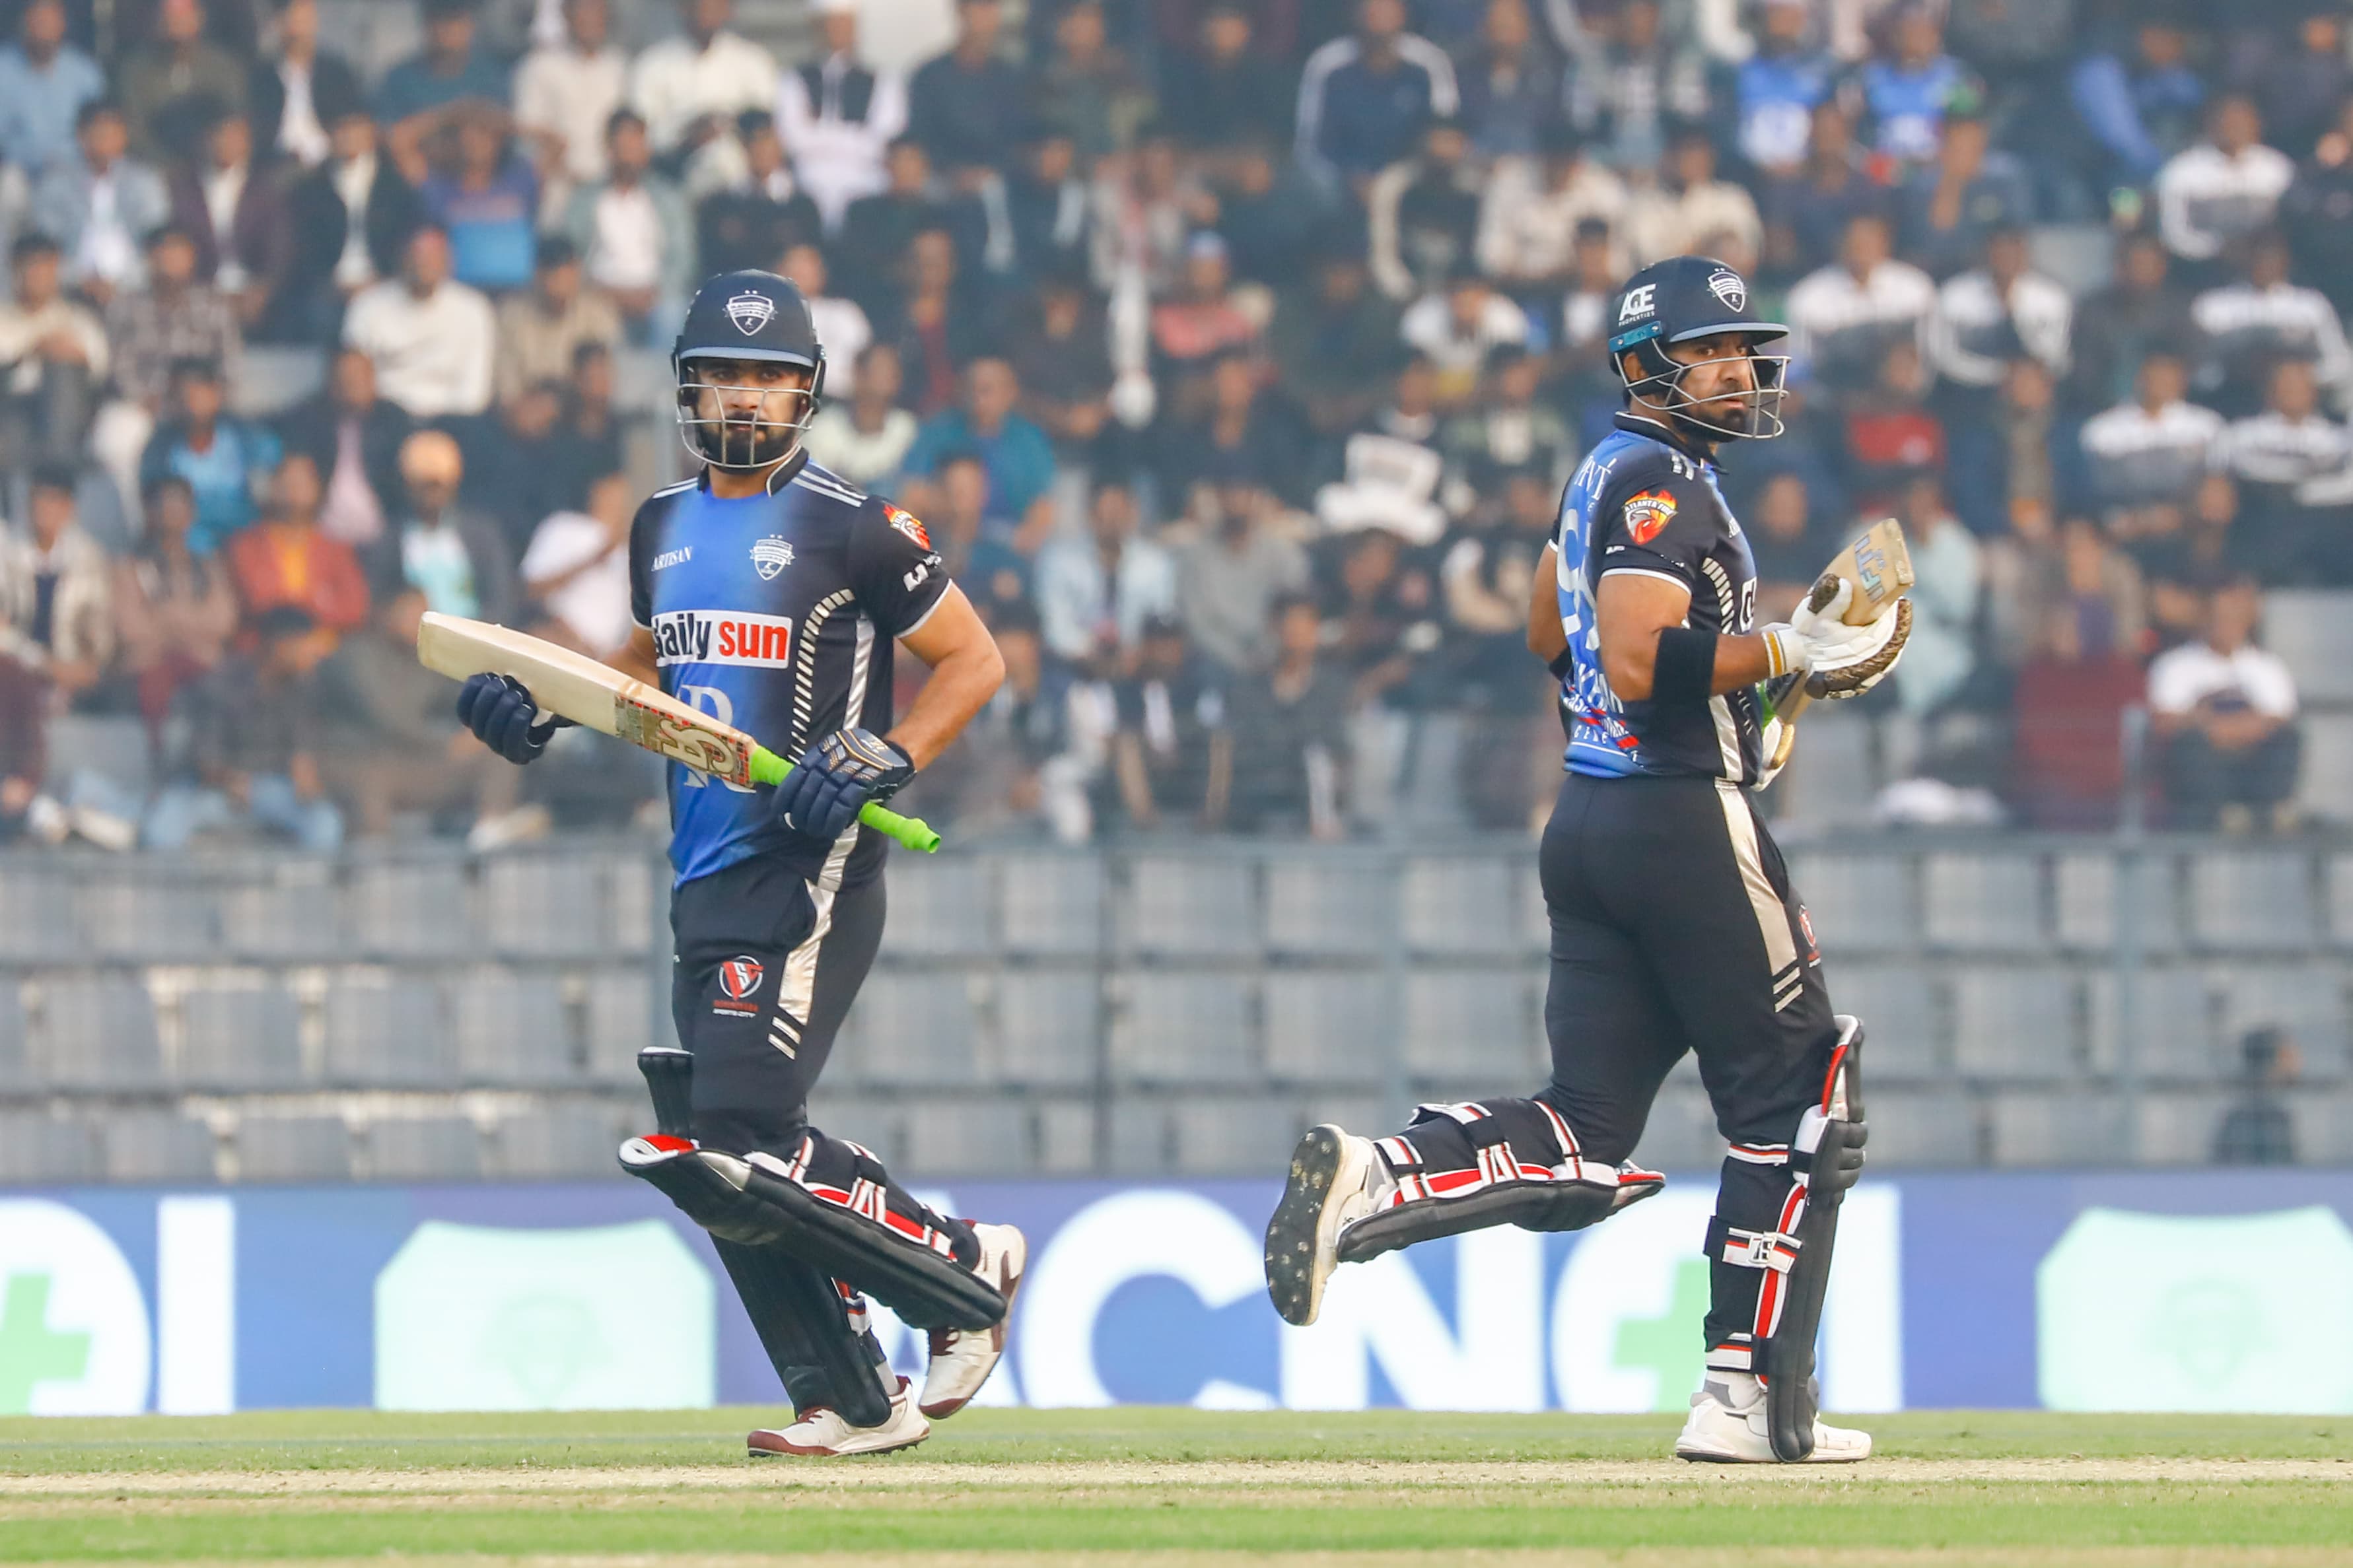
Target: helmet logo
{"type": "Point", "coordinates": [1726, 285]}
{"type": "Point", "coordinates": [771, 555]}
{"type": "Point", "coordinates": [1637, 303]}
{"type": "Point", "coordinates": [750, 312]}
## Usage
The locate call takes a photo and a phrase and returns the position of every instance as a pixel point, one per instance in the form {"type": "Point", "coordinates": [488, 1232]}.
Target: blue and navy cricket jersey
{"type": "Point", "coordinates": [1643, 502]}
{"type": "Point", "coordinates": [776, 614]}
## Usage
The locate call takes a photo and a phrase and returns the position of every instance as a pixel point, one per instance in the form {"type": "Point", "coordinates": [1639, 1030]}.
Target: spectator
{"type": "Point", "coordinates": [757, 216]}
{"type": "Point", "coordinates": [1025, 758]}
{"type": "Point", "coordinates": [2019, 457]}
{"type": "Point", "coordinates": [2298, 72]}
{"type": "Point", "coordinates": [1530, 213]}
{"type": "Point", "coordinates": [450, 553]}
{"type": "Point", "coordinates": [2185, 564]}
{"type": "Point", "coordinates": [689, 89]}
{"type": "Point", "coordinates": [2116, 326]}
{"type": "Point", "coordinates": [540, 328]}
{"type": "Point", "coordinates": [1266, 215]}
{"type": "Point", "coordinates": [486, 199]}
{"type": "Point", "coordinates": [352, 217]}
{"type": "Point", "coordinates": [1233, 569]}
{"type": "Point", "coordinates": [2256, 1128]}
{"type": "Point", "coordinates": [565, 94]}
{"type": "Point", "coordinates": [1942, 651]}
{"type": "Point", "coordinates": [1486, 574]}
{"type": "Point", "coordinates": [1089, 90]}
{"type": "Point", "coordinates": [1951, 212]}
{"type": "Point", "coordinates": [2294, 465]}
{"type": "Point", "coordinates": [1148, 208]}
{"type": "Point", "coordinates": [2155, 448]}
{"type": "Point", "coordinates": [2224, 715]}
{"type": "Point", "coordinates": [284, 560]}
{"type": "Point", "coordinates": [1202, 318]}
{"type": "Point", "coordinates": [1510, 430]}
{"type": "Point", "coordinates": [1986, 316]}
{"type": "Point", "coordinates": [1247, 430]}
{"type": "Point", "coordinates": [576, 570]}
{"type": "Point", "coordinates": [44, 84]}
{"type": "Point", "coordinates": [2247, 327]}
{"type": "Point", "coordinates": [2141, 110]}
{"type": "Point", "coordinates": [1019, 459]}
{"type": "Point", "coordinates": [1364, 99]}
{"type": "Point", "coordinates": [1843, 318]}
{"type": "Point", "coordinates": [56, 354]}
{"type": "Point", "coordinates": [24, 810]}
{"type": "Point", "coordinates": [57, 609]}
{"type": "Point", "coordinates": [1171, 755]}
{"type": "Point", "coordinates": [1337, 347]}
{"type": "Point", "coordinates": [1063, 361]}
{"type": "Point", "coordinates": [2225, 187]}
{"type": "Point", "coordinates": [1095, 595]}
{"type": "Point", "coordinates": [431, 338]}
{"type": "Point", "coordinates": [866, 438]}
{"type": "Point", "coordinates": [453, 68]}
{"type": "Point", "coordinates": [839, 117]}
{"type": "Point", "coordinates": [252, 759]}
{"type": "Point", "coordinates": [938, 329]}
{"type": "Point", "coordinates": [1900, 97]}
{"type": "Point", "coordinates": [1689, 207]}
{"type": "Point", "coordinates": [238, 217]}
{"type": "Point", "coordinates": [299, 94]}
{"type": "Point", "coordinates": [1511, 87]}
{"type": "Point", "coordinates": [174, 611]}
{"type": "Point", "coordinates": [224, 460]}
{"type": "Point", "coordinates": [2074, 597]}
{"type": "Point", "coordinates": [1385, 608]}
{"type": "Point", "coordinates": [353, 438]}
{"type": "Point", "coordinates": [1423, 213]}
{"type": "Point", "coordinates": [1776, 89]}
{"type": "Point", "coordinates": [1459, 330]}
{"type": "Point", "coordinates": [1631, 81]}
{"type": "Point", "coordinates": [592, 425]}
{"type": "Point", "coordinates": [1790, 542]}
{"type": "Point", "coordinates": [966, 105]}
{"type": "Point", "coordinates": [1807, 213]}
{"type": "Point", "coordinates": [1289, 727]}
{"type": "Point", "coordinates": [2318, 214]}
{"type": "Point", "coordinates": [173, 87]}
{"type": "Point", "coordinates": [1587, 385]}
{"type": "Point", "coordinates": [879, 230]}
{"type": "Point", "coordinates": [1225, 90]}
{"type": "Point", "coordinates": [977, 545]}
{"type": "Point", "coordinates": [1049, 208]}
{"type": "Point", "coordinates": [174, 317]}
{"type": "Point", "coordinates": [100, 207]}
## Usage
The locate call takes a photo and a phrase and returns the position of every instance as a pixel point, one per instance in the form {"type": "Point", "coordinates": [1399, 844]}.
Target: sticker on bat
{"type": "Point", "coordinates": [684, 744]}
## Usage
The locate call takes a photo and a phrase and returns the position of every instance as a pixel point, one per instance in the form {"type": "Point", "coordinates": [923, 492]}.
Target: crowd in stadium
{"type": "Point", "coordinates": [1234, 350]}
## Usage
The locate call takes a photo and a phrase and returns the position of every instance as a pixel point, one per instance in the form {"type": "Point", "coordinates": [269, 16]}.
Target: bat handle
{"type": "Point", "coordinates": [768, 768]}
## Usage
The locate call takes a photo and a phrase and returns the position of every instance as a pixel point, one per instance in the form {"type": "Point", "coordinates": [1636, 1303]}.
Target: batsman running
{"type": "Point", "coordinates": [1673, 925]}
{"type": "Point", "coordinates": [771, 594]}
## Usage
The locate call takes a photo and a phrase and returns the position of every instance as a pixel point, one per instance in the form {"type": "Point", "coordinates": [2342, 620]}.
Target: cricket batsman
{"type": "Point", "coordinates": [1674, 927]}
{"type": "Point", "coordinates": [773, 594]}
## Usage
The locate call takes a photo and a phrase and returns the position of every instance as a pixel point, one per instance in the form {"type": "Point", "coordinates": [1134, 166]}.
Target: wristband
{"type": "Point", "coordinates": [1685, 670]}
{"type": "Point", "coordinates": [1562, 663]}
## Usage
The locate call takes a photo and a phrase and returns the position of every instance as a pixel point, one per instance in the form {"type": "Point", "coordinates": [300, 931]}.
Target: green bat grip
{"type": "Point", "coordinates": [768, 768]}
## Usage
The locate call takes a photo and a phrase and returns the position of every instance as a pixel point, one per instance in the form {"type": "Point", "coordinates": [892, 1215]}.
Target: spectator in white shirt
{"type": "Point", "coordinates": [842, 326]}
{"type": "Point", "coordinates": [1843, 317]}
{"type": "Point", "coordinates": [1094, 594]}
{"type": "Point", "coordinates": [691, 88]}
{"type": "Point", "coordinates": [1457, 328]}
{"type": "Point", "coordinates": [633, 229]}
{"type": "Point", "coordinates": [102, 206]}
{"type": "Point", "coordinates": [1690, 207]}
{"type": "Point", "coordinates": [2226, 187]}
{"type": "Point", "coordinates": [1986, 317]}
{"type": "Point", "coordinates": [2248, 325]}
{"type": "Point", "coordinates": [53, 360]}
{"type": "Point", "coordinates": [2224, 714]}
{"type": "Point", "coordinates": [838, 118]}
{"type": "Point", "coordinates": [2291, 446]}
{"type": "Point", "coordinates": [864, 437]}
{"type": "Point", "coordinates": [432, 339]}
{"type": "Point", "coordinates": [2155, 448]}
{"type": "Point", "coordinates": [568, 92]}
{"type": "Point", "coordinates": [577, 569]}
{"type": "Point", "coordinates": [1529, 215]}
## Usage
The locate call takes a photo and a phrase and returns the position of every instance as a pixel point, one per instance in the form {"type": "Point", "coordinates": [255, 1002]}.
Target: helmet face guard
{"type": "Point", "coordinates": [1756, 414]}
{"type": "Point", "coordinates": [738, 441]}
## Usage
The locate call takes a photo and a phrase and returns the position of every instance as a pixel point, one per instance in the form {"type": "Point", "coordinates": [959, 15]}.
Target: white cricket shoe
{"type": "Point", "coordinates": [821, 1432]}
{"type": "Point", "coordinates": [1727, 1427]}
{"type": "Point", "coordinates": [1336, 1179]}
{"type": "Point", "coordinates": [962, 1359]}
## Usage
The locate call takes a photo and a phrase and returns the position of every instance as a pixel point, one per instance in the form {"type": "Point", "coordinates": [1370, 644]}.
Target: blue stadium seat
{"type": "Point", "coordinates": [135, 919]}
{"type": "Point", "coordinates": [1052, 905]}
{"type": "Point", "coordinates": [2174, 1028]}
{"type": "Point", "coordinates": [36, 924]}
{"type": "Point", "coordinates": [158, 1150]}
{"type": "Point", "coordinates": [38, 1150]}
{"type": "Point", "coordinates": [402, 909]}
{"type": "Point", "coordinates": [1330, 1026]}
{"type": "Point", "coordinates": [1920, 1129]}
{"type": "Point", "coordinates": [939, 908]}
{"type": "Point", "coordinates": [1900, 1008]}
{"type": "Point", "coordinates": [2252, 900]}
{"type": "Point", "coordinates": [1226, 1137]}
{"type": "Point", "coordinates": [2084, 890]}
{"type": "Point", "coordinates": [625, 1015]}
{"type": "Point", "coordinates": [389, 1036]}
{"type": "Point", "coordinates": [545, 906]}
{"type": "Point", "coordinates": [1982, 903]}
{"type": "Point", "coordinates": [1190, 908]}
{"type": "Point", "coordinates": [1463, 906]}
{"type": "Point", "coordinates": [249, 1037]}
{"type": "Point", "coordinates": [1859, 903]}
{"type": "Point", "coordinates": [1328, 906]}
{"type": "Point", "coordinates": [987, 1137]}
{"type": "Point", "coordinates": [1047, 1024]}
{"type": "Point", "coordinates": [512, 1030]}
{"type": "Point", "coordinates": [563, 1142]}
{"type": "Point", "coordinates": [100, 1034]}
{"type": "Point", "coordinates": [423, 1149]}
{"type": "Point", "coordinates": [2312, 629]}
{"type": "Point", "coordinates": [1171, 1028]}
{"type": "Point", "coordinates": [918, 1030]}
{"type": "Point", "coordinates": [2017, 1023]}
{"type": "Point", "coordinates": [286, 917]}
{"type": "Point", "coordinates": [1475, 1031]}
{"type": "Point", "coordinates": [293, 1149]}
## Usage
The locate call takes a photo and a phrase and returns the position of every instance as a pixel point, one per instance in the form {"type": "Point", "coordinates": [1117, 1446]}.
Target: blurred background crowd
{"type": "Point", "coordinates": [1235, 351]}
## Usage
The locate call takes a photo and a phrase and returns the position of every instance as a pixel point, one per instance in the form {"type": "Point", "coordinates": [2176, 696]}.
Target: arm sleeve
{"type": "Point", "coordinates": [897, 575]}
{"type": "Point", "coordinates": [1658, 524]}
{"type": "Point", "coordinates": [641, 557]}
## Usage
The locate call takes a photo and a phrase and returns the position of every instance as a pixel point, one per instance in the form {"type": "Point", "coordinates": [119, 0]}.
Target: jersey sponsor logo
{"type": "Point", "coordinates": [1637, 304]}
{"type": "Point", "coordinates": [1806, 925]}
{"type": "Point", "coordinates": [1648, 514]}
{"type": "Point", "coordinates": [908, 523]}
{"type": "Point", "coordinates": [739, 982]}
{"type": "Point", "coordinates": [710, 636]}
{"type": "Point", "coordinates": [771, 555]}
{"type": "Point", "coordinates": [750, 312]}
{"type": "Point", "coordinates": [1727, 285]}
{"type": "Point", "coordinates": [669, 558]}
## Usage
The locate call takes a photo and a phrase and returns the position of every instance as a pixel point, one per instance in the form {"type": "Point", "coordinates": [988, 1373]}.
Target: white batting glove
{"type": "Point", "coordinates": [1814, 639]}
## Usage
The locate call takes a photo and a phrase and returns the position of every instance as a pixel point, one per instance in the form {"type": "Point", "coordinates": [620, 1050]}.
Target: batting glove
{"type": "Point", "coordinates": [1815, 639]}
{"type": "Point", "coordinates": [499, 709]}
{"type": "Point", "coordinates": [837, 777]}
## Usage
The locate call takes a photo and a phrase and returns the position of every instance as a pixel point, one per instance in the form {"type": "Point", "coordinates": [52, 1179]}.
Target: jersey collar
{"type": "Point", "coordinates": [784, 473]}
{"type": "Point", "coordinates": [1660, 430]}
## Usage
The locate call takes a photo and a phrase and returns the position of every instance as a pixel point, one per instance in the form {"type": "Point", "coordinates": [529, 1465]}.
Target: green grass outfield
{"type": "Point", "coordinates": [1169, 1487]}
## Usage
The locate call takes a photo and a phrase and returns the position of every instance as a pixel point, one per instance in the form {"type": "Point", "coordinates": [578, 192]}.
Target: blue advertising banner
{"type": "Point", "coordinates": [1962, 1290]}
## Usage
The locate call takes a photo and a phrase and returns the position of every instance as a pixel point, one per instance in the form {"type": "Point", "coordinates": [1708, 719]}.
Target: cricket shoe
{"type": "Point", "coordinates": [962, 1359]}
{"type": "Point", "coordinates": [821, 1432]}
{"type": "Point", "coordinates": [1336, 1179]}
{"type": "Point", "coordinates": [1728, 1427]}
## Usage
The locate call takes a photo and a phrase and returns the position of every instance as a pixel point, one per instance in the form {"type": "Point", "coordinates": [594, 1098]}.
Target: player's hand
{"type": "Point", "coordinates": [499, 709]}
{"type": "Point", "coordinates": [1816, 639]}
{"type": "Point", "coordinates": [823, 794]}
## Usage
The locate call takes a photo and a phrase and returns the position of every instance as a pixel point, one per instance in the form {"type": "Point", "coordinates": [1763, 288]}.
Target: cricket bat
{"type": "Point", "coordinates": [605, 700]}
{"type": "Point", "coordinates": [1879, 564]}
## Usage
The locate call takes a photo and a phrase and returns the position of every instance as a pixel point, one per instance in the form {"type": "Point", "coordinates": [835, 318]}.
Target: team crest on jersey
{"type": "Point", "coordinates": [750, 312]}
{"type": "Point", "coordinates": [1806, 925]}
{"type": "Point", "coordinates": [739, 982]}
{"type": "Point", "coordinates": [1648, 514]}
{"type": "Point", "coordinates": [1726, 285]}
{"type": "Point", "coordinates": [771, 555]}
{"type": "Point", "coordinates": [908, 523]}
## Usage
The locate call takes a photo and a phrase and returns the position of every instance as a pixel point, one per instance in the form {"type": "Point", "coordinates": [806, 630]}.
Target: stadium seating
{"type": "Point", "coordinates": [156, 1149]}
{"type": "Point", "coordinates": [293, 1149]}
{"type": "Point", "coordinates": [423, 1149]}
{"type": "Point", "coordinates": [387, 1037]}
{"type": "Point", "coordinates": [100, 1034]}
{"type": "Point", "coordinates": [1173, 908]}
{"type": "Point", "coordinates": [241, 1039]}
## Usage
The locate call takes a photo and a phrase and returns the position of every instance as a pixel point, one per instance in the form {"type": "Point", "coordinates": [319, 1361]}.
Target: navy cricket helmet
{"type": "Point", "coordinates": [1680, 301]}
{"type": "Point", "coordinates": [738, 318]}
